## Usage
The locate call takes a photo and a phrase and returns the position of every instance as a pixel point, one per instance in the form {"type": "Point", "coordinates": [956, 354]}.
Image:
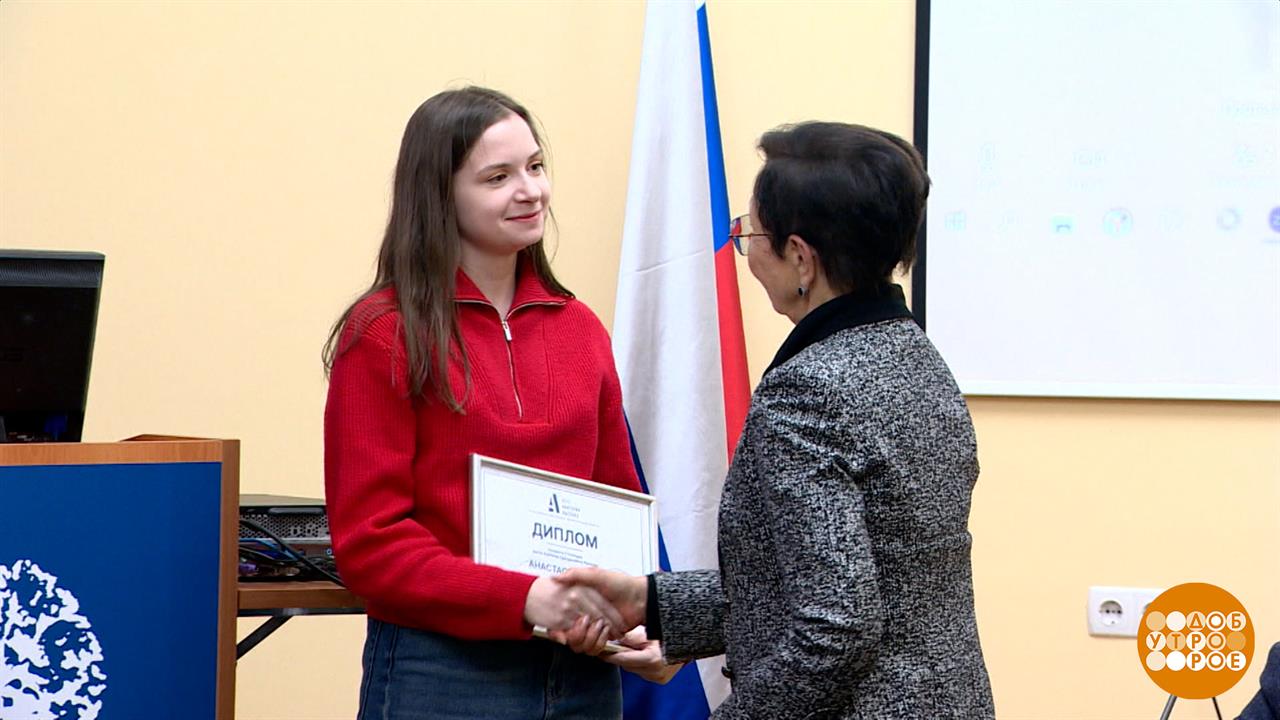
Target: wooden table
{"type": "Point", "coordinates": [280, 601]}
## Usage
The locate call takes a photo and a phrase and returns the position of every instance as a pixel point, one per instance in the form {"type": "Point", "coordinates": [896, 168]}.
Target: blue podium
{"type": "Point", "coordinates": [118, 580]}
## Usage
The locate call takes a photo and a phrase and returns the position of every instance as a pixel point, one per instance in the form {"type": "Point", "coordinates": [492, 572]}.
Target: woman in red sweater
{"type": "Point", "coordinates": [466, 343]}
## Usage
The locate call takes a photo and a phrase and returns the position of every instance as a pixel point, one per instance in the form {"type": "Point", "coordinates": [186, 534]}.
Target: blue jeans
{"type": "Point", "coordinates": [418, 675]}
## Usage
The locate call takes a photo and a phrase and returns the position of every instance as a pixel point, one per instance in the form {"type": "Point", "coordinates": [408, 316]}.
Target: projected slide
{"type": "Point", "coordinates": [1105, 214]}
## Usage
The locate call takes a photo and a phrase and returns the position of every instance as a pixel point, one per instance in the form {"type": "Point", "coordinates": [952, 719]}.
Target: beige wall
{"type": "Point", "coordinates": [233, 161]}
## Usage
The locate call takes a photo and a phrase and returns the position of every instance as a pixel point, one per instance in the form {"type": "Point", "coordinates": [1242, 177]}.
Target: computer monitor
{"type": "Point", "coordinates": [48, 313]}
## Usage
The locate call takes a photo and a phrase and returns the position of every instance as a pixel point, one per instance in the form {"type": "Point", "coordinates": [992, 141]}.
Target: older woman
{"type": "Point", "coordinates": [845, 588]}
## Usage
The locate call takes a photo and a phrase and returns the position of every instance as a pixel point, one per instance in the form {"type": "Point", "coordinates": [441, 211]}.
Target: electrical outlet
{"type": "Point", "coordinates": [1117, 611]}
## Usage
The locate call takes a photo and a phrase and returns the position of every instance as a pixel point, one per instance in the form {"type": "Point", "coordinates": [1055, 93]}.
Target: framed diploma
{"type": "Point", "coordinates": [543, 523]}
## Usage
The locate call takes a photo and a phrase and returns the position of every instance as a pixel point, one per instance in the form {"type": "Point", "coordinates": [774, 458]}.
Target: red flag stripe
{"type": "Point", "coordinates": [733, 347]}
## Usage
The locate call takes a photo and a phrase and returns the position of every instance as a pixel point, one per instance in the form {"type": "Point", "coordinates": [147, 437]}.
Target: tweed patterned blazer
{"type": "Point", "coordinates": [845, 589]}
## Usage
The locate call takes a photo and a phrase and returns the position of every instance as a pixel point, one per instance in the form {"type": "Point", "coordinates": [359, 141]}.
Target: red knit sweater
{"type": "Point", "coordinates": [544, 393]}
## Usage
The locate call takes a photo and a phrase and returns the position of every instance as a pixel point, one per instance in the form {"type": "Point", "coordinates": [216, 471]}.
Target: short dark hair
{"type": "Point", "coordinates": [854, 193]}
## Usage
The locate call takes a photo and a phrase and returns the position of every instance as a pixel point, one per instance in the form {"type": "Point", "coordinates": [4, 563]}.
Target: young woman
{"type": "Point", "coordinates": [466, 343]}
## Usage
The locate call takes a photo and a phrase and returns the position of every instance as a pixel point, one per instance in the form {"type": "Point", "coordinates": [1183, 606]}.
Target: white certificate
{"type": "Point", "coordinates": [543, 523]}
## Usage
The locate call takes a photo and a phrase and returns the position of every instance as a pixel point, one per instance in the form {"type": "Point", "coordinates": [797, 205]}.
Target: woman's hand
{"type": "Point", "coordinates": [643, 657]}
{"type": "Point", "coordinates": [586, 636]}
{"type": "Point", "coordinates": [557, 605]}
{"type": "Point", "coordinates": [629, 594]}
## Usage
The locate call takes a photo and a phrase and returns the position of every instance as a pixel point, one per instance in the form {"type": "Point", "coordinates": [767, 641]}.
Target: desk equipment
{"type": "Point", "coordinates": [286, 565]}
{"type": "Point", "coordinates": [48, 313]}
{"type": "Point", "coordinates": [284, 537]}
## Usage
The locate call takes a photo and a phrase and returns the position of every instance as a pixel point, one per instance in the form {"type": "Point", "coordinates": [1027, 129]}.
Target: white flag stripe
{"type": "Point", "coordinates": [666, 334]}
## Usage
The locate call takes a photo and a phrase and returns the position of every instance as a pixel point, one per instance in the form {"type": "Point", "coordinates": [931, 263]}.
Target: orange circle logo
{"type": "Point", "coordinates": [1195, 641]}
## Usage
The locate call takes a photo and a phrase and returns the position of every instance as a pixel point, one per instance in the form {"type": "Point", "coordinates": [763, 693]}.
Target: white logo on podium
{"type": "Point", "coordinates": [49, 656]}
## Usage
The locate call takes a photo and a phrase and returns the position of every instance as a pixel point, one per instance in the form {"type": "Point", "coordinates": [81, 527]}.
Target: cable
{"type": "Point", "coordinates": [270, 560]}
{"type": "Point", "coordinates": [265, 557]}
{"type": "Point", "coordinates": [292, 556]}
{"type": "Point", "coordinates": [289, 549]}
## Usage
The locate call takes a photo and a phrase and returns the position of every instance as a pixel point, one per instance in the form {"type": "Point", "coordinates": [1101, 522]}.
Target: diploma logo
{"type": "Point", "coordinates": [1196, 641]}
{"type": "Point", "coordinates": [565, 506]}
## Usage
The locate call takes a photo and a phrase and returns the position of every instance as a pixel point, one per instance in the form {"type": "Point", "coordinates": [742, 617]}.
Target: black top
{"type": "Point", "coordinates": [860, 307]}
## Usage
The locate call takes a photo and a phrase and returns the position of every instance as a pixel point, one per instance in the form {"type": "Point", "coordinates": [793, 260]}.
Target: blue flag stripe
{"type": "Point", "coordinates": [715, 149]}
{"type": "Point", "coordinates": [683, 697]}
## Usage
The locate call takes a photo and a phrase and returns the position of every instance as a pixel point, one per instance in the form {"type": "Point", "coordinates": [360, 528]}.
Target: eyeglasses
{"type": "Point", "coordinates": [741, 232]}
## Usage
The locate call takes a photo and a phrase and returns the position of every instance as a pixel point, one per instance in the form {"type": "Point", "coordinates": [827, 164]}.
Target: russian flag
{"type": "Point", "coordinates": [677, 331]}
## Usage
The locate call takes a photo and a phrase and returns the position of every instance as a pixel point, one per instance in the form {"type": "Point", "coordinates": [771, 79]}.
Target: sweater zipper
{"type": "Point", "coordinates": [511, 363]}
{"type": "Point", "coordinates": [506, 334]}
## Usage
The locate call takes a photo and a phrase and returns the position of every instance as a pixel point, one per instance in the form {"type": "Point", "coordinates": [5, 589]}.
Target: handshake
{"type": "Point", "coordinates": [585, 608]}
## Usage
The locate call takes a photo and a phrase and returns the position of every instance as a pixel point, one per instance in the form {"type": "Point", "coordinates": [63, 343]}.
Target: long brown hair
{"type": "Point", "coordinates": [422, 248]}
